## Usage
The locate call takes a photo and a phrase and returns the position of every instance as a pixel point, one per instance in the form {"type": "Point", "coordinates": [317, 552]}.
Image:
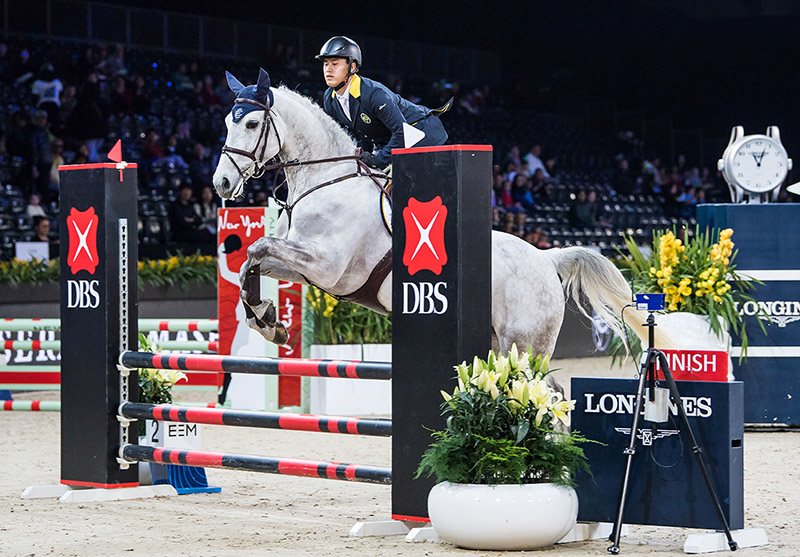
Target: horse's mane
{"type": "Point", "coordinates": [337, 135]}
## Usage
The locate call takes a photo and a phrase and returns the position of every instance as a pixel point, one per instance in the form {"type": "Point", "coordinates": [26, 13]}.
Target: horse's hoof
{"type": "Point", "coordinates": [269, 314]}
{"type": "Point", "coordinates": [281, 334]}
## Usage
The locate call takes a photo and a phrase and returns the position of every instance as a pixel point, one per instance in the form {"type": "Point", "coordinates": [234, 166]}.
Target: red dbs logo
{"type": "Point", "coordinates": [425, 235]}
{"type": "Point", "coordinates": [82, 227]}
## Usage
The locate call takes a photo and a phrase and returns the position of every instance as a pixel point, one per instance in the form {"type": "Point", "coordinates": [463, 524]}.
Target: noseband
{"type": "Point", "coordinates": [256, 167]}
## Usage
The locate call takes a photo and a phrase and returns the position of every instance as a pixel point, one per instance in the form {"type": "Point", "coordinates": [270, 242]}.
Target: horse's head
{"type": "Point", "coordinates": [251, 140]}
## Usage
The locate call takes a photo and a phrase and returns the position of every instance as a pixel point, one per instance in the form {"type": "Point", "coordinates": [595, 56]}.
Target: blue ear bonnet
{"type": "Point", "coordinates": [260, 92]}
{"type": "Point", "coordinates": [240, 110]}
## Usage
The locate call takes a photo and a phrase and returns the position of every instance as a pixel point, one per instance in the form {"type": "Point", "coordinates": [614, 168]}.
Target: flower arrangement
{"type": "Point", "coordinates": [338, 322]}
{"type": "Point", "coordinates": [696, 277]}
{"type": "Point", "coordinates": [180, 270]}
{"type": "Point", "coordinates": [35, 271]}
{"type": "Point", "coordinates": [155, 385]}
{"type": "Point", "coordinates": [504, 426]}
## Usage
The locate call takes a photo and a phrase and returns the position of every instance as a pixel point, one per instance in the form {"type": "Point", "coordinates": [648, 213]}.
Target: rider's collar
{"type": "Point", "coordinates": [242, 109]}
{"type": "Point", "coordinates": [354, 89]}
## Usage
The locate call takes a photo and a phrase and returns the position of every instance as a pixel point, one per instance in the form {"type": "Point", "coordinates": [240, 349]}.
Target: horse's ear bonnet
{"type": "Point", "coordinates": [259, 92]}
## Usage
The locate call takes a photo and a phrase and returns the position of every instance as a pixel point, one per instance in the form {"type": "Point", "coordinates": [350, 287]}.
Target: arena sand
{"type": "Point", "coordinates": [262, 514]}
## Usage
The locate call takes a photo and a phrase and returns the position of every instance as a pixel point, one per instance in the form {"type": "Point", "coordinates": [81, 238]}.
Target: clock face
{"type": "Point", "coordinates": [759, 164]}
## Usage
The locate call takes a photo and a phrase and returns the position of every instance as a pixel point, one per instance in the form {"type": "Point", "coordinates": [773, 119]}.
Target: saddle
{"type": "Point", "coordinates": [367, 295]}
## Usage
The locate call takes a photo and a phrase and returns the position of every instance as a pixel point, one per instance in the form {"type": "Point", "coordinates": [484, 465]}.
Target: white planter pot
{"type": "Point", "coordinates": [693, 332]}
{"type": "Point", "coordinates": [502, 517]}
{"type": "Point", "coordinates": [350, 397]}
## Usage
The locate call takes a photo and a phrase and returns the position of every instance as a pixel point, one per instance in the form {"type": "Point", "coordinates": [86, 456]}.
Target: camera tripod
{"type": "Point", "coordinates": [647, 374]}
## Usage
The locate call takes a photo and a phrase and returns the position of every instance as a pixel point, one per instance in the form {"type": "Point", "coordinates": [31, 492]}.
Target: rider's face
{"type": "Point", "coordinates": [334, 70]}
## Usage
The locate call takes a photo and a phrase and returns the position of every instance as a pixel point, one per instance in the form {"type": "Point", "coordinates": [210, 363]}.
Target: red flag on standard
{"type": "Point", "coordinates": [115, 154]}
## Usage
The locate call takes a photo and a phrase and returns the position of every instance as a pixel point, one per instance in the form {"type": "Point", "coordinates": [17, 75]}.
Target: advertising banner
{"type": "Point", "coordinates": [238, 228]}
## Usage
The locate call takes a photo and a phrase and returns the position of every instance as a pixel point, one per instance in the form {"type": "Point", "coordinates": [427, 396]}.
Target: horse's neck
{"type": "Point", "coordinates": [304, 137]}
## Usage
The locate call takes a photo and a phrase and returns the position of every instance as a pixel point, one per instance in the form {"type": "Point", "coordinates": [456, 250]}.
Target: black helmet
{"type": "Point", "coordinates": [341, 47]}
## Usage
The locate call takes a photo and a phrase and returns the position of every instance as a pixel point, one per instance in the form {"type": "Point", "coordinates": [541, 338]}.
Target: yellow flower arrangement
{"type": "Point", "coordinates": [338, 322]}
{"type": "Point", "coordinates": [696, 277]}
{"type": "Point", "coordinates": [180, 270]}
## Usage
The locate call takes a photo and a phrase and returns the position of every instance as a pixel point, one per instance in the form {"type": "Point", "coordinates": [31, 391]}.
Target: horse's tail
{"type": "Point", "coordinates": [584, 271]}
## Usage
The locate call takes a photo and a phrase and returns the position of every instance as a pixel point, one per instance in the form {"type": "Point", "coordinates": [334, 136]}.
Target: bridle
{"type": "Point", "coordinates": [256, 167]}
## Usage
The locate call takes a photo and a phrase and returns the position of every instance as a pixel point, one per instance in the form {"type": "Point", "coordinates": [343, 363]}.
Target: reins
{"type": "Point", "coordinates": [362, 169]}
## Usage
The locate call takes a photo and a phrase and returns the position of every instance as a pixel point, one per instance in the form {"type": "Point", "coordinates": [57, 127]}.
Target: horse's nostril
{"type": "Point", "coordinates": [225, 184]}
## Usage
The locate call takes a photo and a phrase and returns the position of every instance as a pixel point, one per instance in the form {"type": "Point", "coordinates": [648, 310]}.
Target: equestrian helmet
{"type": "Point", "coordinates": [341, 47]}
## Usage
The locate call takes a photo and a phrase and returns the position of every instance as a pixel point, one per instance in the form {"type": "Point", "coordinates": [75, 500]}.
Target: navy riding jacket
{"type": "Point", "coordinates": [376, 118]}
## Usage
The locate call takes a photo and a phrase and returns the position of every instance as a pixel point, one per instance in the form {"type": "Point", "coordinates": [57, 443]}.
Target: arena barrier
{"type": "Point", "coordinates": [30, 405]}
{"type": "Point", "coordinates": [98, 254]}
{"type": "Point", "coordinates": [36, 345]}
{"type": "Point", "coordinates": [55, 405]}
{"type": "Point", "coordinates": [39, 373]}
{"type": "Point", "coordinates": [172, 325]}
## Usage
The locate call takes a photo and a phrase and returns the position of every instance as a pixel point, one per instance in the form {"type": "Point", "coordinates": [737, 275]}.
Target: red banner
{"type": "Point", "coordinates": [696, 365]}
{"type": "Point", "coordinates": [290, 313]}
{"type": "Point", "coordinates": [238, 228]}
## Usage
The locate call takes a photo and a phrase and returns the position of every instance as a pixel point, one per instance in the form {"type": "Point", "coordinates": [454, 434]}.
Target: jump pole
{"type": "Point", "coordinates": [442, 315]}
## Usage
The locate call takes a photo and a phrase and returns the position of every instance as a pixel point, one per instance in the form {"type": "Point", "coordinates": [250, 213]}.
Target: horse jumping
{"type": "Point", "coordinates": [332, 235]}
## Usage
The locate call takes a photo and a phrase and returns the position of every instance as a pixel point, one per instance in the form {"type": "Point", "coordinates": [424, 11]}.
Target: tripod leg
{"type": "Point", "coordinates": [696, 449]}
{"type": "Point", "coordinates": [629, 451]}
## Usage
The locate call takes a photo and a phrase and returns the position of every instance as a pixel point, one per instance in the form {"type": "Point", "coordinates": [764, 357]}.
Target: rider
{"type": "Point", "coordinates": [372, 113]}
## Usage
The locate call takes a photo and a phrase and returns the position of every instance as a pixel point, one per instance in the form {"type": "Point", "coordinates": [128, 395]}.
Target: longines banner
{"type": "Point", "coordinates": [666, 486]}
{"type": "Point", "coordinates": [768, 244]}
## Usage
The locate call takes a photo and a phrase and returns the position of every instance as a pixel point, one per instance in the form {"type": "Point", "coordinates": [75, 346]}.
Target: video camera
{"type": "Point", "coordinates": [650, 302]}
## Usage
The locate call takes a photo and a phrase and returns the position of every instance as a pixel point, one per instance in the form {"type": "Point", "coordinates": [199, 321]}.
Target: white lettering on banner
{"type": "Point", "coordinates": [683, 362]}
{"type": "Point", "coordinates": [617, 403]}
{"type": "Point", "coordinates": [780, 312]}
{"type": "Point", "coordinates": [286, 316]}
{"type": "Point", "coordinates": [83, 294]}
{"type": "Point", "coordinates": [244, 223]}
{"type": "Point", "coordinates": [20, 356]}
{"type": "Point", "coordinates": [419, 298]}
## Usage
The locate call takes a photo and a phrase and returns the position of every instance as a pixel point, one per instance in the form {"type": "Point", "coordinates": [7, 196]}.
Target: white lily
{"type": "Point", "coordinates": [519, 394]}
{"type": "Point", "coordinates": [562, 409]}
{"type": "Point", "coordinates": [539, 415]}
{"type": "Point", "coordinates": [463, 373]}
{"type": "Point", "coordinates": [477, 366]}
{"type": "Point", "coordinates": [513, 356]}
{"type": "Point", "coordinates": [540, 394]}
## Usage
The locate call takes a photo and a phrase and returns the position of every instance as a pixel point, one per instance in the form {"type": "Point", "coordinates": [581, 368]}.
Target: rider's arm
{"type": "Point", "coordinates": [383, 105]}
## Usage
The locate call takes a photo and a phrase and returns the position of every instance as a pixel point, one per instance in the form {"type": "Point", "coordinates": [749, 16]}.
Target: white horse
{"type": "Point", "coordinates": [333, 236]}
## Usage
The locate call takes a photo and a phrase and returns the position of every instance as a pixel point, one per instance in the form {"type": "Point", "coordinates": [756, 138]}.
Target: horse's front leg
{"type": "Point", "coordinates": [279, 259]}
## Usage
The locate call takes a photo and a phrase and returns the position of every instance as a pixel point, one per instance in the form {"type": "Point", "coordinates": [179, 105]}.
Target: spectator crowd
{"type": "Point", "coordinates": [553, 184]}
